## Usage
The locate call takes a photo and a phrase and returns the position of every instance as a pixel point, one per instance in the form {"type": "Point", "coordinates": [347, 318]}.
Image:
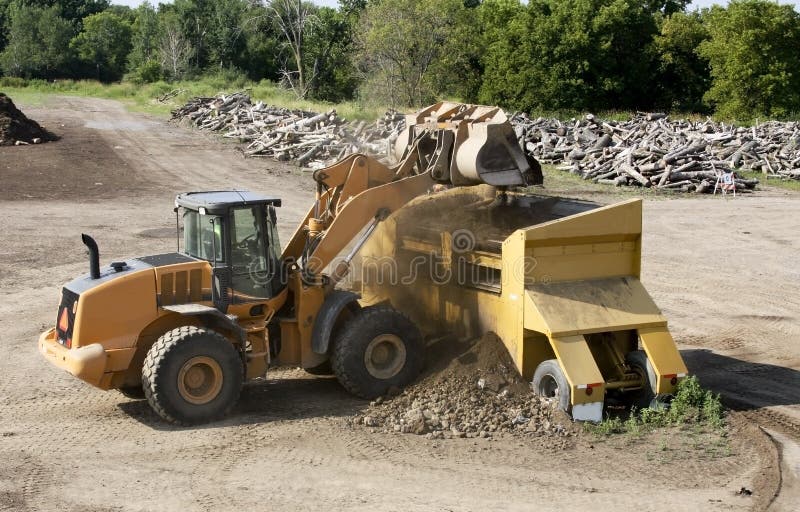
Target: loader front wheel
{"type": "Point", "coordinates": [549, 382]}
{"type": "Point", "coordinates": [639, 363]}
{"type": "Point", "coordinates": [192, 375]}
{"type": "Point", "coordinates": [377, 349]}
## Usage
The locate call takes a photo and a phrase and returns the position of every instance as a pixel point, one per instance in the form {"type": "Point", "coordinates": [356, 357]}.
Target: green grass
{"type": "Point", "coordinates": [143, 98]}
{"type": "Point", "coordinates": [693, 422]}
{"type": "Point", "coordinates": [691, 406]}
{"type": "Point", "coordinates": [793, 185]}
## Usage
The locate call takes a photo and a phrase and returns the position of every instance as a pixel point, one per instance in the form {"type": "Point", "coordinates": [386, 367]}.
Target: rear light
{"type": "Point", "coordinates": [589, 388]}
{"type": "Point", "coordinates": [63, 320]}
{"type": "Point", "coordinates": [68, 343]}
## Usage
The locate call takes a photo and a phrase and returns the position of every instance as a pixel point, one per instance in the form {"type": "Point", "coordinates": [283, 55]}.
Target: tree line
{"type": "Point", "coordinates": [741, 61]}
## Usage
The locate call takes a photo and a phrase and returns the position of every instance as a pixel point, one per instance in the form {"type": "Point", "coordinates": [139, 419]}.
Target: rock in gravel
{"type": "Point", "coordinates": [469, 390]}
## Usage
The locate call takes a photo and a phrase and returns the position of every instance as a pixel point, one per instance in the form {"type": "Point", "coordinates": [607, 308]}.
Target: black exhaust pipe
{"type": "Point", "coordinates": [94, 256]}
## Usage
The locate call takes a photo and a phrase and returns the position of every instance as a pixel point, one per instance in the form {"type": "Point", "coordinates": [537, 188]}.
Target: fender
{"type": "Point", "coordinates": [334, 304]}
{"type": "Point", "coordinates": [212, 317]}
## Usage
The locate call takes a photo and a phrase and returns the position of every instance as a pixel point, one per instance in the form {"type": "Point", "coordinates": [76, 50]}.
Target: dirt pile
{"type": "Point", "coordinates": [16, 128]}
{"type": "Point", "coordinates": [470, 389]}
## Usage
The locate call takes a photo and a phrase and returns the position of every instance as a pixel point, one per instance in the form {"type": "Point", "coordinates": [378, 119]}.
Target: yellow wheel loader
{"type": "Point", "coordinates": [556, 279]}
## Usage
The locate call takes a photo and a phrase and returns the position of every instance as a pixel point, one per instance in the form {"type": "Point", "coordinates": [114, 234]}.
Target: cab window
{"type": "Point", "coordinates": [202, 236]}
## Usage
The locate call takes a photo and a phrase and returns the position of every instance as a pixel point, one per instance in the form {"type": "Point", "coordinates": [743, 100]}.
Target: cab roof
{"type": "Point", "coordinates": [218, 202]}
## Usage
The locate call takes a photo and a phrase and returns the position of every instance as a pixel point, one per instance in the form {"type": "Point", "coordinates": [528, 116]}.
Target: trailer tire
{"type": "Point", "coordinates": [377, 349]}
{"type": "Point", "coordinates": [549, 381]}
{"type": "Point", "coordinates": [643, 398]}
{"type": "Point", "coordinates": [192, 375]}
{"type": "Point", "coordinates": [132, 392]}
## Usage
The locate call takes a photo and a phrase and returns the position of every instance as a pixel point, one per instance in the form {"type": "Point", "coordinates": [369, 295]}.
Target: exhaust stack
{"type": "Point", "coordinates": [94, 256]}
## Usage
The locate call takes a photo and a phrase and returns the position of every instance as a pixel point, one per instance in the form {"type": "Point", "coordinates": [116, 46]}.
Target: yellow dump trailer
{"type": "Point", "coordinates": [556, 279]}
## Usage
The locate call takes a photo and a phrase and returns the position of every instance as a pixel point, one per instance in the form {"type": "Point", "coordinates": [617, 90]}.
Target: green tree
{"type": "Point", "coordinates": [259, 57]}
{"type": "Point", "coordinates": [55, 34]}
{"type": "Point", "coordinates": [294, 20]}
{"type": "Point", "coordinates": [754, 55]}
{"type": "Point", "coordinates": [401, 41]}
{"type": "Point", "coordinates": [505, 51]}
{"type": "Point", "coordinates": [683, 76]}
{"type": "Point", "coordinates": [104, 44]}
{"type": "Point", "coordinates": [37, 39]}
{"type": "Point", "coordinates": [4, 22]}
{"type": "Point", "coordinates": [330, 47]}
{"type": "Point", "coordinates": [194, 17]}
{"type": "Point", "coordinates": [19, 58]}
{"type": "Point", "coordinates": [570, 54]}
{"type": "Point", "coordinates": [225, 32]}
{"type": "Point", "coordinates": [143, 60]}
{"type": "Point", "coordinates": [175, 49]}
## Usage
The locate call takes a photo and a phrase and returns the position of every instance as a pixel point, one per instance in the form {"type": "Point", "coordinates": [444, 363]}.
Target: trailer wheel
{"type": "Point", "coordinates": [132, 392]}
{"type": "Point", "coordinates": [639, 362]}
{"type": "Point", "coordinates": [549, 382]}
{"type": "Point", "coordinates": [192, 375]}
{"type": "Point", "coordinates": [377, 349]}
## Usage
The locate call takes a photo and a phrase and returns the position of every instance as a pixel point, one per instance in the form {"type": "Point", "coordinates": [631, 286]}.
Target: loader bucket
{"type": "Point", "coordinates": [554, 278]}
{"type": "Point", "coordinates": [465, 144]}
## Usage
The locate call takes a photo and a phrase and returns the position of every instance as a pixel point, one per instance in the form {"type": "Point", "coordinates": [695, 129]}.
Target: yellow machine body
{"type": "Point", "coordinates": [552, 277]}
{"type": "Point", "coordinates": [565, 286]}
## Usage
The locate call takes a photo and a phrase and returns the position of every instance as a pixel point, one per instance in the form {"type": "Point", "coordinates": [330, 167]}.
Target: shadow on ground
{"type": "Point", "coordinates": [744, 385]}
{"type": "Point", "coordinates": [265, 401]}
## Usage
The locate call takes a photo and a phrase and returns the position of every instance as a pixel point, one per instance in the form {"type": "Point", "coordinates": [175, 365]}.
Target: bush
{"type": "Point", "coordinates": [147, 73]}
{"type": "Point", "coordinates": [691, 405]}
{"type": "Point", "coordinates": [13, 81]}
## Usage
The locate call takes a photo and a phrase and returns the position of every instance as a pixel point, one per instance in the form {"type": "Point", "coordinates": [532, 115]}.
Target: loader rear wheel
{"type": "Point", "coordinates": [549, 382]}
{"type": "Point", "coordinates": [377, 349]}
{"type": "Point", "coordinates": [639, 362]}
{"type": "Point", "coordinates": [192, 375]}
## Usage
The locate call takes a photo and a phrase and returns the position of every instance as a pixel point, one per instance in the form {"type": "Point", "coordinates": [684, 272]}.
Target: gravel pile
{"type": "Point", "coordinates": [16, 129]}
{"type": "Point", "coordinates": [469, 390]}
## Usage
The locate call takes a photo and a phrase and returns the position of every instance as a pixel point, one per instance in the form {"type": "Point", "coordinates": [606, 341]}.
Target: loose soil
{"type": "Point", "coordinates": [470, 389]}
{"type": "Point", "coordinates": [724, 272]}
{"type": "Point", "coordinates": [15, 128]}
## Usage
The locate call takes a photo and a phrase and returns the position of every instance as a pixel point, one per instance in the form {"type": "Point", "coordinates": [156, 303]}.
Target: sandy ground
{"type": "Point", "coordinates": [724, 271]}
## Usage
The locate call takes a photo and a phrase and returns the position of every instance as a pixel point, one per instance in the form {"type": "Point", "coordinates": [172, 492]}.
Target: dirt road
{"type": "Point", "coordinates": [724, 272]}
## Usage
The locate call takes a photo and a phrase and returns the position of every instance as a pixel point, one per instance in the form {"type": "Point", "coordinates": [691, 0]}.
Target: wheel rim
{"type": "Point", "coordinates": [385, 356]}
{"type": "Point", "coordinates": [200, 380]}
{"type": "Point", "coordinates": [548, 387]}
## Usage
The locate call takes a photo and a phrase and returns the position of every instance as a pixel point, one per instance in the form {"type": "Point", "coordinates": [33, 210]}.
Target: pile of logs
{"type": "Point", "coordinates": [309, 139]}
{"type": "Point", "coordinates": [650, 150]}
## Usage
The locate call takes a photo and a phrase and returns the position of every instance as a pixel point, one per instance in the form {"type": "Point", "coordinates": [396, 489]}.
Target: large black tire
{"type": "Point", "coordinates": [133, 392]}
{"type": "Point", "coordinates": [549, 381]}
{"type": "Point", "coordinates": [377, 349]}
{"type": "Point", "coordinates": [192, 375]}
{"type": "Point", "coordinates": [643, 398]}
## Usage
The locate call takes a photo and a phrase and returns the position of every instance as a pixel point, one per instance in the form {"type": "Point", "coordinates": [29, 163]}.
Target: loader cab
{"type": "Point", "coordinates": [236, 232]}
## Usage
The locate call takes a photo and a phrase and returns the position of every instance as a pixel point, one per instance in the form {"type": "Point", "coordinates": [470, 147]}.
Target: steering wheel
{"type": "Point", "coordinates": [247, 241]}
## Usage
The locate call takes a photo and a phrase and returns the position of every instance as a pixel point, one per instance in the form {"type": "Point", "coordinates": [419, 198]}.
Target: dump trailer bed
{"type": "Point", "coordinates": [554, 278]}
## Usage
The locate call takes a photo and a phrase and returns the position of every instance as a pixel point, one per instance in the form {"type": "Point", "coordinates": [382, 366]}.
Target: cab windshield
{"type": "Point", "coordinates": [202, 235]}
